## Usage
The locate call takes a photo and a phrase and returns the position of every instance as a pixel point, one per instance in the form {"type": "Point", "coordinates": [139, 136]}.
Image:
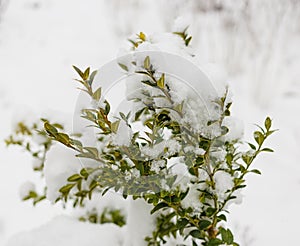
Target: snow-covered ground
{"type": "Point", "coordinates": [257, 44]}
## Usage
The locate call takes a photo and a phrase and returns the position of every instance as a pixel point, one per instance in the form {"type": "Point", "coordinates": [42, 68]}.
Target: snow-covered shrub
{"type": "Point", "coordinates": [177, 154]}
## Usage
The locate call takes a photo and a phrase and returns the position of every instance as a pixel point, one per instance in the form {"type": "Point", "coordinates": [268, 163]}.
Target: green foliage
{"type": "Point", "coordinates": [184, 35]}
{"type": "Point", "coordinates": [140, 38]}
{"type": "Point", "coordinates": [24, 136]}
{"type": "Point", "coordinates": [35, 197]}
{"type": "Point", "coordinates": [108, 215]}
{"type": "Point", "coordinates": [128, 169]}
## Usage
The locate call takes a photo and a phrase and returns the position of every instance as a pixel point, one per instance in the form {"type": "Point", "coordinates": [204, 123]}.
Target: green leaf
{"type": "Point", "coordinates": [222, 217]}
{"type": "Point", "coordinates": [203, 224]}
{"type": "Point", "coordinates": [97, 94]}
{"type": "Point", "coordinates": [196, 234]}
{"type": "Point", "coordinates": [210, 211]}
{"type": "Point", "coordinates": [225, 130]}
{"type": "Point", "coordinates": [181, 223]}
{"type": "Point", "coordinates": [184, 194]}
{"type": "Point", "coordinates": [252, 146]}
{"type": "Point", "coordinates": [212, 122]}
{"type": "Point", "coordinates": [123, 66]}
{"type": "Point", "coordinates": [85, 172]}
{"type": "Point", "coordinates": [147, 63]}
{"type": "Point", "coordinates": [87, 114]}
{"type": "Point", "coordinates": [262, 130]}
{"type": "Point", "coordinates": [86, 155]}
{"type": "Point", "coordinates": [159, 206]}
{"type": "Point", "coordinates": [227, 236]}
{"type": "Point", "coordinates": [79, 72]}
{"type": "Point", "coordinates": [267, 150]}
{"type": "Point", "coordinates": [86, 74]}
{"type": "Point", "coordinates": [33, 194]}
{"type": "Point", "coordinates": [76, 143]}
{"type": "Point", "coordinates": [38, 199]}
{"type": "Point", "coordinates": [255, 171]}
{"type": "Point", "coordinates": [271, 132]}
{"type": "Point", "coordinates": [59, 126]}
{"type": "Point", "coordinates": [179, 107]}
{"type": "Point", "coordinates": [74, 178]}
{"type": "Point", "coordinates": [93, 74]}
{"type": "Point", "coordinates": [50, 129]}
{"type": "Point", "coordinates": [115, 126]}
{"type": "Point", "coordinates": [142, 36]}
{"type": "Point", "coordinates": [122, 115]}
{"type": "Point", "coordinates": [259, 137]}
{"type": "Point", "coordinates": [138, 114]}
{"type": "Point", "coordinates": [240, 187]}
{"type": "Point", "coordinates": [93, 151]}
{"type": "Point", "coordinates": [105, 191]}
{"type": "Point", "coordinates": [188, 40]}
{"type": "Point", "coordinates": [79, 184]}
{"type": "Point", "coordinates": [214, 242]}
{"type": "Point", "coordinates": [81, 193]}
{"type": "Point", "coordinates": [148, 82]}
{"type": "Point", "coordinates": [66, 188]}
{"type": "Point", "coordinates": [247, 159]}
{"type": "Point", "coordinates": [161, 81]}
{"type": "Point", "coordinates": [107, 107]}
{"type": "Point", "coordinates": [268, 123]}
{"type": "Point", "coordinates": [93, 185]}
{"type": "Point", "coordinates": [63, 138]}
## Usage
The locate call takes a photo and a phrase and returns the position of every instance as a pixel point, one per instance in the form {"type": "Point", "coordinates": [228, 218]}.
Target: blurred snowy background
{"type": "Point", "coordinates": [256, 41]}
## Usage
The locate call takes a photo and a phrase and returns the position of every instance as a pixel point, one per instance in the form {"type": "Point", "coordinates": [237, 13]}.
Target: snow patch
{"type": "Point", "coordinates": [63, 230]}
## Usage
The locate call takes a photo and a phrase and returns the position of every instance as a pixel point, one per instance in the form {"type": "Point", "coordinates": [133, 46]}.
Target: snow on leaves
{"type": "Point", "coordinates": [168, 129]}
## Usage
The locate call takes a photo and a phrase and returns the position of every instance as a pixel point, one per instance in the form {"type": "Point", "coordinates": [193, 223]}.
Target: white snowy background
{"type": "Point", "coordinates": [256, 41]}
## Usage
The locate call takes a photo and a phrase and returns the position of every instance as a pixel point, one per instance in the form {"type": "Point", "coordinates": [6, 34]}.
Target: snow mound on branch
{"type": "Point", "coordinates": [181, 23]}
{"type": "Point", "coordinates": [60, 164]}
{"type": "Point", "coordinates": [140, 223]}
{"type": "Point", "coordinates": [63, 230]}
{"type": "Point", "coordinates": [124, 135]}
{"type": "Point", "coordinates": [99, 203]}
{"type": "Point", "coordinates": [26, 188]}
{"type": "Point", "coordinates": [224, 183]}
{"type": "Point", "coordinates": [236, 128]}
